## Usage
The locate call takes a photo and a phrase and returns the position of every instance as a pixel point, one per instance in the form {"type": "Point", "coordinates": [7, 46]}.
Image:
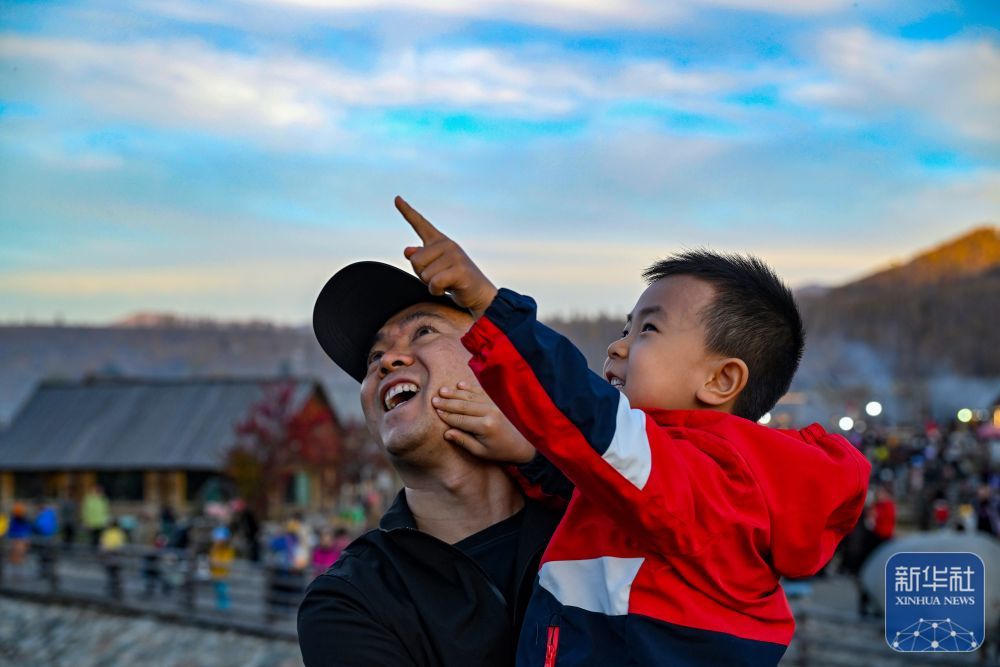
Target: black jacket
{"type": "Point", "coordinates": [399, 597]}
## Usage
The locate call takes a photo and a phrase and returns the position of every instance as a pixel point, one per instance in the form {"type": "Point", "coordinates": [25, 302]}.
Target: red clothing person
{"type": "Point", "coordinates": [885, 515]}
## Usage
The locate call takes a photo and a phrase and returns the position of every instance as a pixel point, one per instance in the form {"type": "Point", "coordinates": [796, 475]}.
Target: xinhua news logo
{"type": "Point", "coordinates": [934, 602]}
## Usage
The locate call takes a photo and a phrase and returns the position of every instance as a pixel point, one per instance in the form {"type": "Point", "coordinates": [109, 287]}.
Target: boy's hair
{"type": "Point", "coordinates": [752, 317]}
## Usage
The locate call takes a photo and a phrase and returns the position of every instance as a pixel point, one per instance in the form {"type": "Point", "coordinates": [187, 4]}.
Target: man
{"type": "Point", "coordinates": [445, 578]}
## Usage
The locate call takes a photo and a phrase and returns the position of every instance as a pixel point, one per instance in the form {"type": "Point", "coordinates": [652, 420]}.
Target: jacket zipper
{"type": "Point", "coordinates": [552, 643]}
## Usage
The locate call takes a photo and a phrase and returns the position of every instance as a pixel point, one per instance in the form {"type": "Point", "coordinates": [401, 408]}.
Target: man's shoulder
{"type": "Point", "coordinates": [356, 556]}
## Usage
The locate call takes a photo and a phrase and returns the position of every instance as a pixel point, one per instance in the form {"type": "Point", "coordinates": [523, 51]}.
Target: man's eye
{"type": "Point", "coordinates": [425, 329]}
{"type": "Point", "coordinates": [373, 357]}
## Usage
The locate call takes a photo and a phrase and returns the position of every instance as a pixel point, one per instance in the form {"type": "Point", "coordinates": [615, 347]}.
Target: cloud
{"type": "Point", "coordinates": [571, 14]}
{"type": "Point", "coordinates": [791, 7]}
{"type": "Point", "coordinates": [955, 83]}
{"type": "Point", "coordinates": [176, 84]}
{"type": "Point", "coordinates": [298, 101]}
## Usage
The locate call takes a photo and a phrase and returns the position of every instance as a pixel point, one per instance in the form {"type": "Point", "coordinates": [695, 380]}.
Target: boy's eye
{"type": "Point", "coordinates": [624, 332]}
{"type": "Point", "coordinates": [649, 327]}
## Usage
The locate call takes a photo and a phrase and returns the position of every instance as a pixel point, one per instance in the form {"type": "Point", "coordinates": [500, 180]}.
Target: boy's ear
{"type": "Point", "coordinates": [728, 379]}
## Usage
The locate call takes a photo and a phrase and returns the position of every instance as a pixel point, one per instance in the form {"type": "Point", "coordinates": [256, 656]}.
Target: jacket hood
{"type": "Point", "coordinates": [814, 484]}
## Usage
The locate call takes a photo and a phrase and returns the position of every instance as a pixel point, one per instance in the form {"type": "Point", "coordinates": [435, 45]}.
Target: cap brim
{"type": "Point", "coordinates": [355, 303]}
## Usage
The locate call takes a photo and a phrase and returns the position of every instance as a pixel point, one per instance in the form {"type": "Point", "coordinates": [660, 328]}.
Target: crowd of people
{"type": "Point", "coordinates": [928, 479]}
{"type": "Point", "coordinates": [922, 479]}
{"type": "Point", "coordinates": [947, 477]}
{"type": "Point", "coordinates": [171, 550]}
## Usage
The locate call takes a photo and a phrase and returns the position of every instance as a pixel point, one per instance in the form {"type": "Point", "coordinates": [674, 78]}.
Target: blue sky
{"type": "Point", "coordinates": [223, 159]}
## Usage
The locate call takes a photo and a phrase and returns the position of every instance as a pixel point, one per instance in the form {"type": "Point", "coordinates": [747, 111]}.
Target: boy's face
{"type": "Point", "coordinates": [661, 360]}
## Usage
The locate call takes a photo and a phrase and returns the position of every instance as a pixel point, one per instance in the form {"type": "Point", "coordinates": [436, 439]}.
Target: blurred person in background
{"type": "Point", "coordinates": [172, 565]}
{"type": "Point", "coordinates": [144, 536]}
{"type": "Point", "coordinates": [46, 522]}
{"type": "Point", "coordinates": [325, 554]}
{"type": "Point", "coordinates": [46, 529]}
{"type": "Point", "coordinates": [987, 511]}
{"type": "Point", "coordinates": [856, 548]}
{"type": "Point", "coordinates": [95, 513]}
{"type": "Point", "coordinates": [111, 542]}
{"type": "Point", "coordinates": [220, 559]}
{"type": "Point", "coordinates": [244, 525]}
{"type": "Point", "coordinates": [68, 520]}
{"type": "Point", "coordinates": [341, 538]}
{"type": "Point", "coordinates": [286, 568]}
{"type": "Point", "coordinates": [304, 543]}
{"type": "Point", "coordinates": [940, 511]}
{"type": "Point", "coordinates": [168, 522]}
{"type": "Point", "coordinates": [884, 514]}
{"type": "Point", "coordinates": [19, 534]}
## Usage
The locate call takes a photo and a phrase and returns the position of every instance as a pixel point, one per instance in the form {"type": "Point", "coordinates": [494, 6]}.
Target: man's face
{"type": "Point", "coordinates": [416, 352]}
{"type": "Point", "coordinates": [661, 360]}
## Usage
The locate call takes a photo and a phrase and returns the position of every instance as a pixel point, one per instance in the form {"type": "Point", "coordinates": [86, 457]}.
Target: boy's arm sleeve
{"type": "Point", "coordinates": [541, 480]}
{"type": "Point", "coordinates": [674, 495]}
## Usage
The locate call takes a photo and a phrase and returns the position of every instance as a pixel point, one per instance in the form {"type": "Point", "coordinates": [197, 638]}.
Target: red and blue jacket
{"type": "Point", "coordinates": [681, 522]}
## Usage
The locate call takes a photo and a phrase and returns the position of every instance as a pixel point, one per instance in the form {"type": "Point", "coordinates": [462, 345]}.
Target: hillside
{"type": "Point", "coordinates": [938, 312]}
{"type": "Point", "coordinates": [967, 256]}
{"type": "Point", "coordinates": [927, 330]}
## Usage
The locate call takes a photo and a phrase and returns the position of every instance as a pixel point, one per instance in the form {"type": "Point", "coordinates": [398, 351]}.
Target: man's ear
{"type": "Point", "coordinates": [728, 378]}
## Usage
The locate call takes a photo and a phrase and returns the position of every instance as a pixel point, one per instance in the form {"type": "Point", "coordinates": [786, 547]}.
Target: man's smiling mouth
{"type": "Point", "coordinates": [398, 394]}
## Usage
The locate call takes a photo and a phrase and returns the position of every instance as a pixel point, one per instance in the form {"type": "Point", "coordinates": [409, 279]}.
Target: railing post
{"type": "Point", "coordinates": [190, 584]}
{"type": "Point", "coordinates": [51, 566]}
{"type": "Point", "coordinates": [113, 566]}
{"type": "Point", "coordinates": [47, 562]}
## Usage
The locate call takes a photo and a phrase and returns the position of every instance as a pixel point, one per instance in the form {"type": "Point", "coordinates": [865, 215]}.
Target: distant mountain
{"type": "Point", "coordinates": [938, 312]}
{"type": "Point", "coordinates": [972, 254]}
{"type": "Point", "coordinates": [927, 330]}
{"type": "Point", "coordinates": [151, 320]}
{"type": "Point", "coordinates": [811, 291]}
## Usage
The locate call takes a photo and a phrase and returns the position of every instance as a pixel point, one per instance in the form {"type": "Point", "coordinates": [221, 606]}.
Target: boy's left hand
{"type": "Point", "coordinates": [443, 265]}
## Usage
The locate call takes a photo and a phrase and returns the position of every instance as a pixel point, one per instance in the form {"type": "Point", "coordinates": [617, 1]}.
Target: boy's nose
{"type": "Point", "coordinates": [618, 349]}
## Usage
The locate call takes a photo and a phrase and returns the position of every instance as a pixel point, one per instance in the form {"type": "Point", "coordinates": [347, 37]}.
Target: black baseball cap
{"type": "Point", "coordinates": [354, 304]}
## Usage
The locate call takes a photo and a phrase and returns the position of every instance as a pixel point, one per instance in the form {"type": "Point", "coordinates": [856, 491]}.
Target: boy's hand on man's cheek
{"type": "Point", "coordinates": [443, 265]}
{"type": "Point", "coordinates": [478, 425]}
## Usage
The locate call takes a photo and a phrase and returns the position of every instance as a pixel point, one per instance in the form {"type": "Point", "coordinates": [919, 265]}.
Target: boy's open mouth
{"type": "Point", "coordinates": [616, 381]}
{"type": "Point", "coordinates": [399, 393]}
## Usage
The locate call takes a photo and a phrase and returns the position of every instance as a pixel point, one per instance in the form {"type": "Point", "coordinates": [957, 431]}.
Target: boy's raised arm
{"type": "Point", "coordinates": [583, 425]}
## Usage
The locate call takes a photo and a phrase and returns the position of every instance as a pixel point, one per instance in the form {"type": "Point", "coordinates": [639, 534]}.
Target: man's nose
{"type": "Point", "coordinates": [393, 358]}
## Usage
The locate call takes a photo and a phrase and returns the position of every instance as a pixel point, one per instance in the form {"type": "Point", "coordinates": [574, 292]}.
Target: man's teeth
{"type": "Point", "coordinates": [396, 390]}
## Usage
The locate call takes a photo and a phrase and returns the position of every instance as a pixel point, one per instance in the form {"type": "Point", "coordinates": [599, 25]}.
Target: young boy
{"type": "Point", "coordinates": [220, 561]}
{"type": "Point", "coordinates": [685, 512]}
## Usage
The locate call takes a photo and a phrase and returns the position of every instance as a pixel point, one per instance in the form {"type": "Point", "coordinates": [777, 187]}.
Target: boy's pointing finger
{"type": "Point", "coordinates": [424, 229]}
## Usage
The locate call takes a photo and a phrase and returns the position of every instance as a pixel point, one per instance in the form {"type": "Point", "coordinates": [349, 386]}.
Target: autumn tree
{"type": "Point", "coordinates": [283, 432]}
